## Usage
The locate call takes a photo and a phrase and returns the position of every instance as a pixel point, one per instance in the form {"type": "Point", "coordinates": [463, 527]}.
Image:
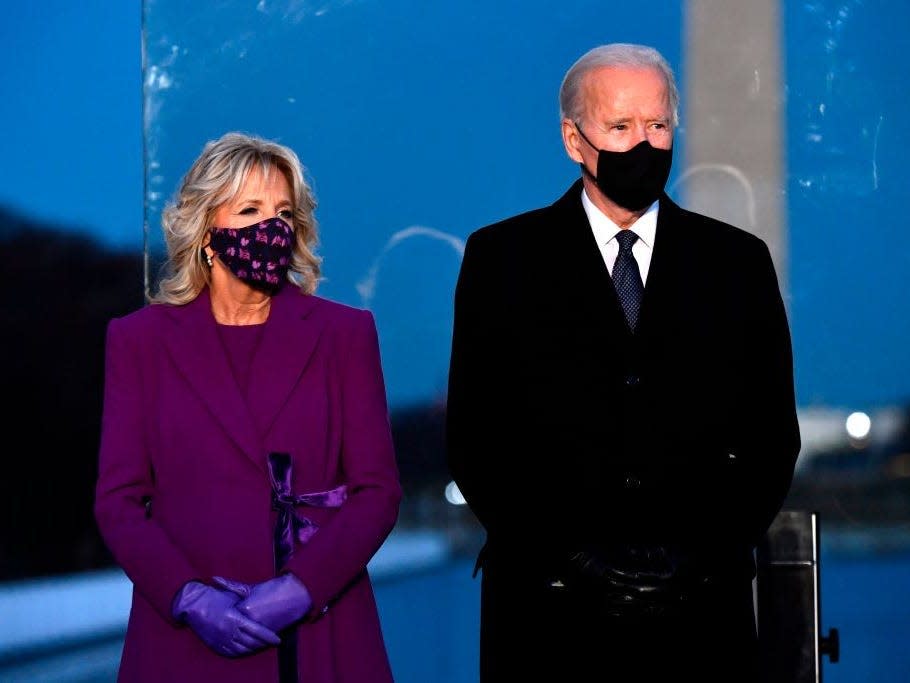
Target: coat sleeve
{"type": "Point", "coordinates": [339, 553]}
{"type": "Point", "coordinates": [480, 428]}
{"type": "Point", "coordinates": [765, 439]}
{"type": "Point", "coordinates": [125, 484]}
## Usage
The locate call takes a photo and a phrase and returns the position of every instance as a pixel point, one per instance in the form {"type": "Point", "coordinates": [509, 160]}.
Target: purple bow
{"type": "Point", "coordinates": [290, 525]}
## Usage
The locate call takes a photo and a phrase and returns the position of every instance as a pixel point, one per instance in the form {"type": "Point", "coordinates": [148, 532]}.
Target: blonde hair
{"type": "Point", "coordinates": [216, 177]}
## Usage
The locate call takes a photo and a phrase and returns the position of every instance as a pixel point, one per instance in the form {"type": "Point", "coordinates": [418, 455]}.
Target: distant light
{"type": "Point", "coordinates": [453, 494]}
{"type": "Point", "coordinates": [858, 425]}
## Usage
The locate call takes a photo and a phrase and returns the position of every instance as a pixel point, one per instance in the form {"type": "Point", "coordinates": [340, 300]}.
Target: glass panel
{"type": "Point", "coordinates": [846, 190]}
{"type": "Point", "coordinates": [416, 127]}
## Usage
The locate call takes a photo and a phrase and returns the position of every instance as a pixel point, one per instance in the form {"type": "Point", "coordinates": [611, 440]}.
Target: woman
{"type": "Point", "coordinates": [246, 471]}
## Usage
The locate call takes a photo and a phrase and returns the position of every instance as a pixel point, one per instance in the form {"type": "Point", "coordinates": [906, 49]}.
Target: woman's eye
{"type": "Point", "coordinates": [286, 213]}
{"type": "Point", "coordinates": [247, 211]}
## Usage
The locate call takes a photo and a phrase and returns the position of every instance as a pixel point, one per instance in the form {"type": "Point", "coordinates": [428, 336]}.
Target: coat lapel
{"type": "Point", "coordinates": [668, 249]}
{"type": "Point", "coordinates": [590, 279]}
{"type": "Point", "coordinates": [289, 339]}
{"type": "Point", "coordinates": [197, 352]}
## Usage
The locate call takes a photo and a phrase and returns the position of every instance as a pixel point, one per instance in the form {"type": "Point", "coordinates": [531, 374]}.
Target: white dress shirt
{"type": "Point", "coordinates": [605, 232]}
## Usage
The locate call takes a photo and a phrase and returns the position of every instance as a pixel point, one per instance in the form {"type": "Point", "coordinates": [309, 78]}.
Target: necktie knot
{"type": "Point", "coordinates": [626, 239]}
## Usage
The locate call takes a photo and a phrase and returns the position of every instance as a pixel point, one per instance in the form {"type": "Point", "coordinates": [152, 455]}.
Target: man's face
{"type": "Point", "coordinates": [622, 107]}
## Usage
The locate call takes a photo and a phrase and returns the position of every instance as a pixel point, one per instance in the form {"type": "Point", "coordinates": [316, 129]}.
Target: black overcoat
{"type": "Point", "coordinates": [567, 431]}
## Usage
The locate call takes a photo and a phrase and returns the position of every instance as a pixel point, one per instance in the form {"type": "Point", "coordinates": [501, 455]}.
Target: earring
{"type": "Point", "coordinates": [207, 257]}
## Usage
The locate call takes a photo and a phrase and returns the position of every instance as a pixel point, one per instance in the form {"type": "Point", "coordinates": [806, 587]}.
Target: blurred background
{"type": "Point", "coordinates": [418, 123]}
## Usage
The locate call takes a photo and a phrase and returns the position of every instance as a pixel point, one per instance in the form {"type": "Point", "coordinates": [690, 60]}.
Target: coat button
{"type": "Point", "coordinates": [632, 482]}
{"type": "Point", "coordinates": [632, 380]}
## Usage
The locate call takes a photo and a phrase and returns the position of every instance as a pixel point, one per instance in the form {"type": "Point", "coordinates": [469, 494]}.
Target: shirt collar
{"type": "Point", "coordinates": [605, 230]}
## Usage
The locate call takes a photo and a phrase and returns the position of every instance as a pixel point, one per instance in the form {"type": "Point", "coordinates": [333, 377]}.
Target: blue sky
{"type": "Point", "coordinates": [71, 115]}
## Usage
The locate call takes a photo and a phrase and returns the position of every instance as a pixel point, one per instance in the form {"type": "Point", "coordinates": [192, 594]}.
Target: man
{"type": "Point", "coordinates": [621, 415]}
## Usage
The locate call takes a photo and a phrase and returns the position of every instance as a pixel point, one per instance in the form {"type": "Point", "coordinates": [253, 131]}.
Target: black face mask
{"type": "Point", "coordinates": [634, 178]}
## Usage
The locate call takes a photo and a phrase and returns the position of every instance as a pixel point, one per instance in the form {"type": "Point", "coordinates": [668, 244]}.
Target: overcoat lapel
{"type": "Point", "coordinates": [669, 243]}
{"type": "Point", "coordinates": [288, 341]}
{"type": "Point", "coordinates": [591, 284]}
{"type": "Point", "coordinates": [200, 357]}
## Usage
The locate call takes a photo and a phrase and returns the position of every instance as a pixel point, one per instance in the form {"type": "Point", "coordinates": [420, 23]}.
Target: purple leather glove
{"type": "Point", "coordinates": [213, 616]}
{"type": "Point", "coordinates": [276, 603]}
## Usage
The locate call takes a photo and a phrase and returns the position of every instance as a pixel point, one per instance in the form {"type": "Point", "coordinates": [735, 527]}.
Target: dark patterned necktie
{"type": "Point", "coordinates": [626, 277]}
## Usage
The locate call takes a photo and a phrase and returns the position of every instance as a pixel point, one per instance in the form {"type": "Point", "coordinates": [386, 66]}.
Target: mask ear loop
{"type": "Point", "coordinates": [584, 137]}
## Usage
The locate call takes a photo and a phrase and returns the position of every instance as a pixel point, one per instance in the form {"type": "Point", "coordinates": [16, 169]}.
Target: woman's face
{"type": "Point", "coordinates": [262, 196]}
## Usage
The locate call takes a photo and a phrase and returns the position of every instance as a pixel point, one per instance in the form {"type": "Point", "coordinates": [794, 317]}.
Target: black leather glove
{"type": "Point", "coordinates": [632, 581]}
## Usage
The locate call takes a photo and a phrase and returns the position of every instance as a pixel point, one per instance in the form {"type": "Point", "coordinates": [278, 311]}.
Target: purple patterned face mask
{"type": "Point", "coordinates": [259, 254]}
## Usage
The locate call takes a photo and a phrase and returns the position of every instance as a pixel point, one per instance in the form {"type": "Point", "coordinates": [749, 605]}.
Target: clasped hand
{"type": "Point", "coordinates": [240, 618]}
{"type": "Point", "coordinates": [214, 617]}
{"type": "Point", "coordinates": [276, 603]}
{"type": "Point", "coordinates": [632, 581]}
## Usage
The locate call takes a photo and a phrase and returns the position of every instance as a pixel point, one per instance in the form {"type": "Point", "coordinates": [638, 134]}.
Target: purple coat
{"type": "Point", "coordinates": [176, 430]}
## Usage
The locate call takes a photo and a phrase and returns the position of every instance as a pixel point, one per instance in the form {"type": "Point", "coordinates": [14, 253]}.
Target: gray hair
{"type": "Point", "coordinates": [215, 178]}
{"type": "Point", "coordinates": [571, 102]}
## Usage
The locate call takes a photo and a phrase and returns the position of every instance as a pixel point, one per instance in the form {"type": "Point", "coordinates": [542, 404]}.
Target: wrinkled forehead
{"type": "Point", "coordinates": [633, 88]}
